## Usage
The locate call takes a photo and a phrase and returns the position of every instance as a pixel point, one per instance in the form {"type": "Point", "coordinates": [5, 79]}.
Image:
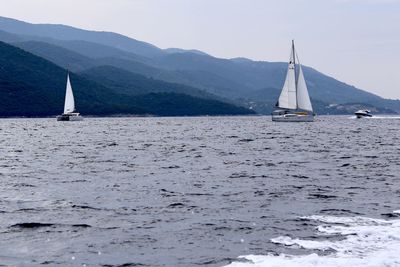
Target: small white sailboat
{"type": "Point", "coordinates": [70, 113]}
{"type": "Point", "coordinates": [294, 104]}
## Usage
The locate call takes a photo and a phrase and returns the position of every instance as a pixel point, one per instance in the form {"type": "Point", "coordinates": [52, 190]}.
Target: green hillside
{"type": "Point", "coordinates": [33, 86]}
{"type": "Point", "coordinates": [125, 82]}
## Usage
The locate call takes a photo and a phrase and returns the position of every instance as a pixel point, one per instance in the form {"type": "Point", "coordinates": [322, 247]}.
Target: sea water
{"type": "Point", "coordinates": [206, 191]}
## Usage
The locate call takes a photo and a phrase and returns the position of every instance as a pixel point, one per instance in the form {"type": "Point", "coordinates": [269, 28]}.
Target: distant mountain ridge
{"type": "Point", "coordinates": [253, 84]}
{"type": "Point", "coordinates": [33, 86]}
{"type": "Point", "coordinates": [68, 33]}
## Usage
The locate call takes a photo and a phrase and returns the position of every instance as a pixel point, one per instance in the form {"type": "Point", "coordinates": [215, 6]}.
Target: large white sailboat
{"type": "Point", "coordinates": [294, 103]}
{"type": "Point", "coordinates": [70, 113]}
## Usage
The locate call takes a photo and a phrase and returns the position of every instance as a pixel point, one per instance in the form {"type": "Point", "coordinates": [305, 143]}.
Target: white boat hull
{"type": "Point", "coordinates": [363, 114]}
{"type": "Point", "coordinates": [293, 118]}
{"type": "Point", "coordinates": [359, 116]}
{"type": "Point", "coordinates": [69, 117]}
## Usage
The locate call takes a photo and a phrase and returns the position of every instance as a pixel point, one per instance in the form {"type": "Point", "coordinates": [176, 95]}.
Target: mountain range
{"type": "Point", "coordinates": [115, 74]}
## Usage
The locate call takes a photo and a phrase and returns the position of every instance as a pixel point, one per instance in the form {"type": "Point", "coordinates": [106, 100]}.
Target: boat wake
{"type": "Point", "coordinates": [378, 117]}
{"type": "Point", "coordinates": [360, 242]}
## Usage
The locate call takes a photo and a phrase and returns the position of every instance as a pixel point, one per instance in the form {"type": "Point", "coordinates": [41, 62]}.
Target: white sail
{"type": "Point", "coordinates": [303, 99]}
{"type": "Point", "coordinates": [69, 105]}
{"type": "Point", "coordinates": [288, 98]}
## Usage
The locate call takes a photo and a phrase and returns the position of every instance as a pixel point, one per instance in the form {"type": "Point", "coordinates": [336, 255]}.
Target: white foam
{"type": "Point", "coordinates": [363, 242]}
{"type": "Point", "coordinates": [377, 117]}
{"type": "Point", "coordinates": [385, 117]}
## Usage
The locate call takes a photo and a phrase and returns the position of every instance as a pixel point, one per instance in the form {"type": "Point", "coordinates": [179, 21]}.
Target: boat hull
{"type": "Point", "coordinates": [360, 115]}
{"type": "Point", "coordinates": [67, 117]}
{"type": "Point", "coordinates": [296, 118]}
{"type": "Point", "coordinates": [292, 116]}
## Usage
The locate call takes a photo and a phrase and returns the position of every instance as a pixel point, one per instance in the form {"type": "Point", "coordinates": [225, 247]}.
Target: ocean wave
{"type": "Point", "coordinates": [362, 241]}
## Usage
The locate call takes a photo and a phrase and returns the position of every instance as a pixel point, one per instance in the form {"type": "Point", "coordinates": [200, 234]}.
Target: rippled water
{"type": "Point", "coordinates": [199, 192]}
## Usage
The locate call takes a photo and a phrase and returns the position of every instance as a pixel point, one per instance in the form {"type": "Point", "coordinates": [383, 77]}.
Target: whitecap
{"type": "Point", "coordinates": [362, 242]}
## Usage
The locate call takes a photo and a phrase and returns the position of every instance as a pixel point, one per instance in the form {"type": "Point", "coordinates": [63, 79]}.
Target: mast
{"type": "Point", "coordinates": [296, 78]}
{"type": "Point", "coordinates": [293, 51]}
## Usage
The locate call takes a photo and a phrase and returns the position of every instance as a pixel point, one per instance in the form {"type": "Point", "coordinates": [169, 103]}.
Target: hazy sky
{"type": "Point", "coordinates": [355, 41]}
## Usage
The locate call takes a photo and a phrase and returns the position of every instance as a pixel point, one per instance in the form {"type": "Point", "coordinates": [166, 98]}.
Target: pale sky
{"type": "Point", "coordinates": [355, 41]}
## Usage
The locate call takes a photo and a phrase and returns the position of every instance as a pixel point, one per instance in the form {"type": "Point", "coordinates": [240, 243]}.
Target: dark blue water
{"type": "Point", "coordinates": [186, 191]}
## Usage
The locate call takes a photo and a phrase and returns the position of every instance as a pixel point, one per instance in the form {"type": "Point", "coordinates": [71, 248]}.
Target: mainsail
{"type": "Point", "coordinates": [294, 93]}
{"type": "Point", "coordinates": [288, 98]}
{"type": "Point", "coordinates": [69, 105]}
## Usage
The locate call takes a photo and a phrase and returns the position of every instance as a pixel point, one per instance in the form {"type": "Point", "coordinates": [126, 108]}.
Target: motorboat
{"type": "Point", "coordinates": [363, 113]}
